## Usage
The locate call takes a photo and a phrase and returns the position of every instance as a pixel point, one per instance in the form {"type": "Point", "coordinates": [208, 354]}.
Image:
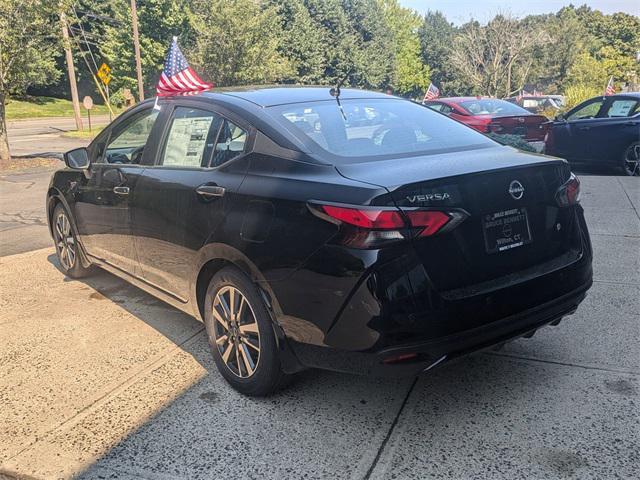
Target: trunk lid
{"type": "Point", "coordinates": [530, 127]}
{"type": "Point", "coordinates": [478, 182]}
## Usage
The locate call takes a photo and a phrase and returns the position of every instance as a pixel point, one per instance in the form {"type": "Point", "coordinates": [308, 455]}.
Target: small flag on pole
{"type": "Point", "coordinates": [432, 92]}
{"type": "Point", "coordinates": [610, 89]}
{"type": "Point", "coordinates": [177, 76]}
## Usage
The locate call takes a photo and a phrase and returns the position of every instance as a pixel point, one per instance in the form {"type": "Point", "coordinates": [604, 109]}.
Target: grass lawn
{"type": "Point", "coordinates": [84, 133]}
{"type": "Point", "coordinates": [38, 107]}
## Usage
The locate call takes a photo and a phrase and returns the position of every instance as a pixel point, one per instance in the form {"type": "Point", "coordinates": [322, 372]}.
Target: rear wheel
{"type": "Point", "coordinates": [67, 248]}
{"type": "Point", "coordinates": [240, 334]}
{"type": "Point", "coordinates": [631, 160]}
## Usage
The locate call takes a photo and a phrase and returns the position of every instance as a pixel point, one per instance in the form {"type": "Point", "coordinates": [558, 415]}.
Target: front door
{"type": "Point", "coordinates": [181, 202]}
{"type": "Point", "coordinates": [573, 137]}
{"type": "Point", "coordinates": [102, 206]}
{"type": "Point", "coordinates": [613, 130]}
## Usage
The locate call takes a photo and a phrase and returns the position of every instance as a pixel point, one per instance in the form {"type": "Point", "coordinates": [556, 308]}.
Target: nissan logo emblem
{"type": "Point", "coordinates": [516, 190]}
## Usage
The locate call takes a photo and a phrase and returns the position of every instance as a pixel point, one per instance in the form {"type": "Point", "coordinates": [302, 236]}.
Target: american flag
{"type": "Point", "coordinates": [610, 89]}
{"type": "Point", "coordinates": [432, 92]}
{"type": "Point", "coordinates": [177, 76]}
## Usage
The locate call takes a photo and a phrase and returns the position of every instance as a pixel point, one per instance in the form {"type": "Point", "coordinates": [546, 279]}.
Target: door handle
{"type": "Point", "coordinates": [121, 190]}
{"type": "Point", "coordinates": [210, 191]}
{"type": "Point", "coordinates": [585, 128]}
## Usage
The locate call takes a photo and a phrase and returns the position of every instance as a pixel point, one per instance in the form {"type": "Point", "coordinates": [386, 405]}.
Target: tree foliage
{"type": "Point", "coordinates": [368, 43]}
{"type": "Point", "coordinates": [410, 76]}
{"type": "Point", "coordinates": [496, 58]}
{"type": "Point", "coordinates": [28, 46]}
{"type": "Point", "coordinates": [236, 42]}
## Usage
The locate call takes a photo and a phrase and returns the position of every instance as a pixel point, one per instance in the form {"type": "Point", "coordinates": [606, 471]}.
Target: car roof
{"type": "Point", "coordinates": [269, 96]}
{"type": "Point", "coordinates": [627, 94]}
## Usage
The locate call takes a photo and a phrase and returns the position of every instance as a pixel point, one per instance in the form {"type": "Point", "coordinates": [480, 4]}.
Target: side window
{"type": "Point", "coordinates": [191, 138]}
{"type": "Point", "coordinates": [127, 141]}
{"type": "Point", "coordinates": [435, 106]}
{"type": "Point", "coordinates": [230, 143]}
{"type": "Point", "coordinates": [446, 109]}
{"type": "Point", "coordinates": [587, 111]}
{"type": "Point", "coordinates": [622, 108]}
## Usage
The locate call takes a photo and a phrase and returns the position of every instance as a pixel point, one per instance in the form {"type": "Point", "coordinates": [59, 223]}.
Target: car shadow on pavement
{"type": "Point", "coordinates": [179, 418]}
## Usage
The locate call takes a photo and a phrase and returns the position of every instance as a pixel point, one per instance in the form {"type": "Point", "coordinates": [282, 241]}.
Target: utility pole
{"type": "Point", "coordinates": [136, 47]}
{"type": "Point", "coordinates": [72, 72]}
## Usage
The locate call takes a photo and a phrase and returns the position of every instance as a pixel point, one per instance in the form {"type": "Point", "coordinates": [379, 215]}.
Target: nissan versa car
{"type": "Point", "coordinates": [350, 230]}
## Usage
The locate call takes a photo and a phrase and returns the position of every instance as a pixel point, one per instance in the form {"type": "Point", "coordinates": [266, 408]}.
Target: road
{"type": "Point", "coordinates": [43, 136]}
{"type": "Point", "coordinates": [100, 380]}
{"type": "Point", "coordinates": [23, 223]}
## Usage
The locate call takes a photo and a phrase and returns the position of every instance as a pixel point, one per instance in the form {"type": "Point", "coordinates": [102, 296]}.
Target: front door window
{"type": "Point", "coordinates": [127, 141]}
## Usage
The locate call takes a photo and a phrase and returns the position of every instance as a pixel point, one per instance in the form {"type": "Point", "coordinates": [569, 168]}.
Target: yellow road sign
{"type": "Point", "coordinates": [104, 74]}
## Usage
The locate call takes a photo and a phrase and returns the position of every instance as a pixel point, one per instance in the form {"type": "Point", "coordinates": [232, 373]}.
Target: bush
{"type": "Point", "coordinates": [578, 93]}
{"type": "Point", "coordinates": [512, 141]}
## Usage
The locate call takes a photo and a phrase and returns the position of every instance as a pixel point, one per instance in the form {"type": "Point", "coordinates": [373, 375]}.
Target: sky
{"type": "Point", "coordinates": [460, 11]}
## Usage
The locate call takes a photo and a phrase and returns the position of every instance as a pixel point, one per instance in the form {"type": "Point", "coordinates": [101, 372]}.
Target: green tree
{"type": "Point", "coordinates": [302, 42]}
{"type": "Point", "coordinates": [158, 22]}
{"type": "Point", "coordinates": [410, 75]}
{"type": "Point", "coordinates": [587, 70]}
{"type": "Point", "coordinates": [28, 47]}
{"type": "Point", "coordinates": [350, 36]}
{"type": "Point", "coordinates": [436, 38]}
{"type": "Point", "coordinates": [236, 42]}
{"type": "Point", "coordinates": [567, 40]}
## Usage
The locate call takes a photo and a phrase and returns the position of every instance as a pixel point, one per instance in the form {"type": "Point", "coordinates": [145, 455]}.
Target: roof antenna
{"type": "Point", "coordinates": [335, 92]}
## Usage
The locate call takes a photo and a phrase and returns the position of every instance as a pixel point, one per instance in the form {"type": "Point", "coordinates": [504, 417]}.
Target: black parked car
{"type": "Point", "coordinates": [302, 239]}
{"type": "Point", "coordinates": [602, 131]}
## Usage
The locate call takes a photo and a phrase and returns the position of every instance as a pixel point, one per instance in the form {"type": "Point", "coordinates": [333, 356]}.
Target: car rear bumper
{"type": "Point", "coordinates": [411, 359]}
{"type": "Point", "coordinates": [392, 318]}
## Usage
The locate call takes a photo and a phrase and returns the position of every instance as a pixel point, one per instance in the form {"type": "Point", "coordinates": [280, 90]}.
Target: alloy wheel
{"type": "Point", "coordinates": [65, 242]}
{"type": "Point", "coordinates": [632, 160]}
{"type": "Point", "coordinates": [236, 332]}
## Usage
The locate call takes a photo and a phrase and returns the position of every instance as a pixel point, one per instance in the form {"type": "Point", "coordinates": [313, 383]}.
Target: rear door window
{"type": "Point", "coordinates": [230, 144]}
{"type": "Point", "coordinates": [191, 138]}
{"type": "Point", "coordinates": [622, 108]}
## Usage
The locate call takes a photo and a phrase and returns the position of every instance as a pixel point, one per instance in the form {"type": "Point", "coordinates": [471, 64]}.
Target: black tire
{"type": "Point", "coordinates": [66, 243]}
{"type": "Point", "coordinates": [630, 164]}
{"type": "Point", "coordinates": [252, 372]}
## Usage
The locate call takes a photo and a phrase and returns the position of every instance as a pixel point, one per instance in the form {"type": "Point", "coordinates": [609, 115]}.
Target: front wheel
{"type": "Point", "coordinates": [240, 334]}
{"type": "Point", "coordinates": [631, 160]}
{"type": "Point", "coordinates": [67, 248]}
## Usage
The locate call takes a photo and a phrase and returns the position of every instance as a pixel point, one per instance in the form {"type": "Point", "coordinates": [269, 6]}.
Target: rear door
{"type": "Point", "coordinates": [182, 199]}
{"type": "Point", "coordinates": [102, 208]}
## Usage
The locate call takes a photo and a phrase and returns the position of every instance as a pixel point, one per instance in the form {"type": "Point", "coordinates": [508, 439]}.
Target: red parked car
{"type": "Point", "coordinates": [491, 115]}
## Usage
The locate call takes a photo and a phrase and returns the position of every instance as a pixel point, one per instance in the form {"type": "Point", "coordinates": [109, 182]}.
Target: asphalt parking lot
{"type": "Point", "coordinates": [100, 380]}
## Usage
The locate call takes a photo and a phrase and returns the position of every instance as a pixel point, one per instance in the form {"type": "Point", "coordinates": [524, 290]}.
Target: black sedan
{"type": "Point", "coordinates": [602, 131]}
{"type": "Point", "coordinates": [360, 232]}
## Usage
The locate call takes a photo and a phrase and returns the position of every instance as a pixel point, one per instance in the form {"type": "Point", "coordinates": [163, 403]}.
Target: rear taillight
{"type": "Point", "coordinates": [569, 193]}
{"type": "Point", "coordinates": [372, 227]}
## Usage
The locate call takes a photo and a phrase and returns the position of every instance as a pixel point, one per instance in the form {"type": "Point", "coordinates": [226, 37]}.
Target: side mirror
{"type": "Point", "coordinates": [559, 118]}
{"type": "Point", "coordinates": [77, 159]}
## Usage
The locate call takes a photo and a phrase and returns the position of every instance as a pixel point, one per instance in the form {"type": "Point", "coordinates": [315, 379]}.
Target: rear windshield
{"type": "Point", "coordinates": [376, 127]}
{"type": "Point", "coordinates": [492, 106]}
